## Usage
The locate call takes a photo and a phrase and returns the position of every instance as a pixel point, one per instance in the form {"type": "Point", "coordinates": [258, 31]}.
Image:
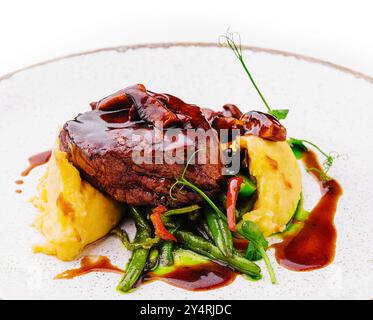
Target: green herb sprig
{"type": "Point", "coordinates": [233, 41]}
{"type": "Point", "coordinates": [299, 146]}
{"type": "Point", "coordinates": [257, 247]}
{"type": "Point", "coordinates": [186, 183]}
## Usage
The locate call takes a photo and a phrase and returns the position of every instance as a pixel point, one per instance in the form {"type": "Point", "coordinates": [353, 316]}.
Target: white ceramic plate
{"type": "Point", "coordinates": [328, 105]}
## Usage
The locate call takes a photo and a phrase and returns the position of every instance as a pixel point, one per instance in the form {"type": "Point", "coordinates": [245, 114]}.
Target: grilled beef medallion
{"type": "Point", "coordinates": [102, 143]}
{"type": "Point", "coordinates": [110, 143]}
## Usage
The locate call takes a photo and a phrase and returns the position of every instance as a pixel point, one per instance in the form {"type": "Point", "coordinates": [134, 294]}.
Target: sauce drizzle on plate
{"type": "Point", "coordinates": [37, 160]}
{"type": "Point", "coordinates": [313, 247]}
{"type": "Point", "coordinates": [200, 277]}
{"type": "Point", "coordinates": [90, 264]}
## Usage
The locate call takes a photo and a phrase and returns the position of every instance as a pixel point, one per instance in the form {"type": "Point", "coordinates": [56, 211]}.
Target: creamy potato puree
{"type": "Point", "coordinates": [72, 213]}
{"type": "Point", "coordinates": [279, 183]}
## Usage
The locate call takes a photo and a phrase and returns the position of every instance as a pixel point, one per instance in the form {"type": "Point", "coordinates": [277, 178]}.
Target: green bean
{"type": "Point", "coordinates": [171, 221]}
{"type": "Point", "coordinates": [140, 220]}
{"type": "Point", "coordinates": [139, 257]}
{"type": "Point", "coordinates": [205, 226]}
{"type": "Point", "coordinates": [203, 230]}
{"type": "Point", "coordinates": [123, 236]}
{"type": "Point", "coordinates": [153, 259]}
{"type": "Point", "coordinates": [167, 257]}
{"type": "Point", "coordinates": [188, 209]}
{"type": "Point", "coordinates": [202, 246]}
{"type": "Point", "coordinates": [221, 234]}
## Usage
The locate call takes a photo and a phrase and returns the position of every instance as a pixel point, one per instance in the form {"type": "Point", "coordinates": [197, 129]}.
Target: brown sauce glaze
{"type": "Point", "coordinates": [90, 264]}
{"type": "Point", "coordinates": [194, 114]}
{"type": "Point", "coordinates": [263, 125]}
{"type": "Point", "coordinates": [201, 277]}
{"type": "Point", "coordinates": [241, 244]}
{"type": "Point", "coordinates": [19, 182]}
{"type": "Point", "coordinates": [18, 191]}
{"type": "Point", "coordinates": [121, 116]}
{"type": "Point", "coordinates": [150, 109]}
{"type": "Point", "coordinates": [114, 129]}
{"type": "Point", "coordinates": [313, 247]}
{"type": "Point", "coordinates": [37, 160]}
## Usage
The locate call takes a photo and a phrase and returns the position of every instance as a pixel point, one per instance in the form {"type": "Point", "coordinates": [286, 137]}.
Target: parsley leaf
{"type": "Point", "coordinates": [251, 231]}
{"type": "Point", "coordinates": [280, 114]}
{"type": "Point", "coordinates": [252, 254]}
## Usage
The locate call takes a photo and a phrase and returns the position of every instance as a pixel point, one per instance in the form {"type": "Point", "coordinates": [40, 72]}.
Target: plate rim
{"type": "Point", "coordinates": [125, 48]}
{"type": "Point", "coordinates": [166, 45]}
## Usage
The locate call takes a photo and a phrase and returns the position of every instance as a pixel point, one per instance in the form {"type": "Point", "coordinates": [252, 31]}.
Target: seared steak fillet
{"type": "Point", "coordinates": [101, 143]}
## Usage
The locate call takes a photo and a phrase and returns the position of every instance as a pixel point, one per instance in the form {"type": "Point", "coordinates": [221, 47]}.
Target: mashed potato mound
{"type": "Point", "coordinates": [279, 183]}
{"type": "Point", "coordinates": [72, 214]}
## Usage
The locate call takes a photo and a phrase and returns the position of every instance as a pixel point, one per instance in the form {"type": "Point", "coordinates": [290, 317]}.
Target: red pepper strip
{"type": "Point", "coordinates": [160, 229]}
{"type": "Point", "coordinates": [234, 185]}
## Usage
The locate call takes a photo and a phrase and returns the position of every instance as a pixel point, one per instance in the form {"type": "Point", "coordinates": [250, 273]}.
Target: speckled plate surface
{"type": "Point", "coordinates": [327, 104]}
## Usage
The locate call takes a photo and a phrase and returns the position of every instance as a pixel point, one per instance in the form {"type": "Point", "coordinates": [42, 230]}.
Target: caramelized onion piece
{"type": "Point", "coordinates": [183, 118]}
{"type": "Point", "coordinates": [211, 115]}
{"type": "Point", "coordinates": [193, 112]}
{"type": "Point", "coordinates": [113, 102]}
{"type": "Point", "coordinates": [149, 108]}
{"type": "Point", "coordinates": [228, 123]}
{"type": "Point", "coordinates": [232, 111]}
{"type": "Point", "coordinates": [164, 110]}
{"type": "Point", "coordinates": [264, 125]}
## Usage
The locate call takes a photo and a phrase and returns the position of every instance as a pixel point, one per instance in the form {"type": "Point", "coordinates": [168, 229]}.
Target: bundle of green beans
{"type": "Point", "coordinates": [145, 255]}
{"type": "Point", "coordinates": [206, 248]}
{"type": "Point", "coordinates": [139, 257]}
{"type": "Point", "coordinates": [214, 239]}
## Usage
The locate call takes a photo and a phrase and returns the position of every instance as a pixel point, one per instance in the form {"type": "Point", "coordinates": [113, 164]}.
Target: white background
{"type": "Point", "coordinates": [337, 31]}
